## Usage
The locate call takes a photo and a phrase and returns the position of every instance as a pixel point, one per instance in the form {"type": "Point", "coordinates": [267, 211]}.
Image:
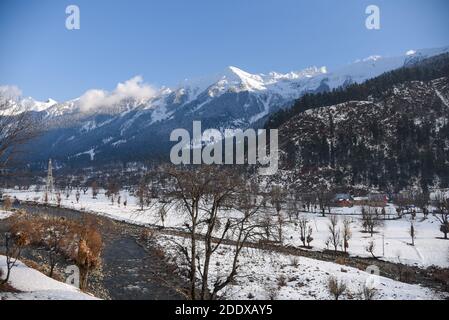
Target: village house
{"type": "Point", "coordinates": [343, 200]}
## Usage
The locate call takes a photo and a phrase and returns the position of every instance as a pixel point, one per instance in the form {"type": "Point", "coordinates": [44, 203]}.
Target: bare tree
{"type": "Point", "coordinates": [141, 194]}
{"type": "Point", "coordinates": [94, 187]}
{"type": "Point", "coordinates": [368, 293]}
{"type": "Point", "coordinates": [59, 232]}
{"type": "Point", "coordinates": [292, 208]}
{"type": "Point", "coordinates": [218, 196]}
{"type": "Point", "coordinates": [58, 199]}
{"type": "Point", "coordinates": [113, 190]}
{"type": "Point", "coordinates": [370, 248]}
{"type": "Point", "coordinates": [162, 214]}
{"type": "Point", "coordinates": [58, 235]}
{"type": "Point", "coordinates": [204, 193]}
{"type": "Point", "coordinates": [309, 236]}
{"type": "Point", "coordinates": [346, 233]}
{"type": "Point", "coordinates": [334, 231]}
{"type": "Point", "coordinates": [336, 287]}
{"type": "Point", "coordinates": [245, 228]}
{"type": "Point", "coordinates": [14, 244]}
{"type": "Point", "coordinates": [185, 189]}
{"type": "Point", "coordinates": [412, 232]}
{"type": "Point", "coordinates": [324, 197]}
{"type": "Point", "coordinates": [421, 200]}
{"type": "Point", "coordinates": [303, 229]}
{"type": "Point", "coordinates": [269, 227]}
{"type": "Point", "coordinates": [87, 255]}
{"type": "Point", "coordinates": [442, 213]}
{"type": "Point", "coordinates": [402, 201]}
{"type": "Point", "coordinates": [370, 220]}
{"type": "Point", "coordinates": [277, 198]}
{"type": "Point", "coordinates": [308, 200]}
{"type": "Point", "coordinates": [7, 203]}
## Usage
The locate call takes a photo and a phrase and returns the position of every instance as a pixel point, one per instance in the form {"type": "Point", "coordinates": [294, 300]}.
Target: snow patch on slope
{"type": "Point", "coordinates": [90, 152]}
{"type": "Point", "coordinates": [36, 286]}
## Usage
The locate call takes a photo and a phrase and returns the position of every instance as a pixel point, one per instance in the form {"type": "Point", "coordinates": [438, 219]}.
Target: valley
{"type": "Point", "coordinates": [356, 207]}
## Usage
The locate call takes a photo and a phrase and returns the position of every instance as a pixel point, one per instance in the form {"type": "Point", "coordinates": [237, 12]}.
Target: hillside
{"type": "Point", "coordinates": [396, 140]}
{"type": "Point", "coordinates": [414, 69]}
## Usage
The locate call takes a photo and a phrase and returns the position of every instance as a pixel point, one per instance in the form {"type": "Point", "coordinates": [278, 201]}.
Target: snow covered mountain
{"type": "Point", "coordinates": [16, 106]}
{"type": "Point", "coordinates": [125, 128]}
{"type": "Point", "coordinates": [389, 133]}
{"type": "Point", "coordinates": [398, 140]}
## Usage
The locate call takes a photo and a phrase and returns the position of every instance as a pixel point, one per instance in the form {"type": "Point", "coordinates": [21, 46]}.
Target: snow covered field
{"type": "Point", "coordinates": [261, 271]}
{"type": "Point", "coordinates": [392, 241]}
{"type": "Point", "coordinates": [102, 206]}
{"type": "Point", "coordinates": [272, 275]}
{"type": "Point", "coordinates": [34, 285]}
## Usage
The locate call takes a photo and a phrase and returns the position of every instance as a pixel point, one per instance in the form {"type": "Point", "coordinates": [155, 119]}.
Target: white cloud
{"type": "Point", "coordinates": [92, 99]}
{"type": "Point", "coordinates": [134, 88]}
{"type": "Point", "coordinates": [10, 92]}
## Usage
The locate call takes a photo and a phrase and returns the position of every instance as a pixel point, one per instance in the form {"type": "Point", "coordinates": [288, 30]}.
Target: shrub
{"type": "Point", "coordinates": [368, 293]}
{"type": "Point", "coordinates": [282, 281]}
{"type": "Point", "coordinates": [335, 287]}
{"type": "Point", "coordinates": [272, 292]}
{"type": "Point", "coordinates": [294, 262]}
{"type": "Point", "coordinates": [7, 203]}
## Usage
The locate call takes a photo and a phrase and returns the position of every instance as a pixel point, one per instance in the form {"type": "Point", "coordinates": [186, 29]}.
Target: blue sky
{"type": "Point", "coordinates": [167, 41]}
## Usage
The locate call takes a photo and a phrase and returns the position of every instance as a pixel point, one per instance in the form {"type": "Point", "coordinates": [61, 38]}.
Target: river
{"type": "Point", "coordinates": [129, 270]}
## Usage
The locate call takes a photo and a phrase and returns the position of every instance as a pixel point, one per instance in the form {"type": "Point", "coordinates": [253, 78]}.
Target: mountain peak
{"type": "Point", "coordinates": [50, 101]}
{"type": "Point", "coordinates": [234, 76]}
{"type": "Point", "coordinates": [235, 69]}
{"type": "Point", "coordinates": [232, 72]}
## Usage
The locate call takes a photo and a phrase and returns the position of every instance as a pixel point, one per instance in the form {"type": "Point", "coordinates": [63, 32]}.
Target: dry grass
{"type": "Point", "coordinates": [42, 269]}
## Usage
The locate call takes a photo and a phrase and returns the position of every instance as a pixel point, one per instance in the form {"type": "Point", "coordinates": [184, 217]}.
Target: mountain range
{"type": "Point", "coordinates": [137, 129]}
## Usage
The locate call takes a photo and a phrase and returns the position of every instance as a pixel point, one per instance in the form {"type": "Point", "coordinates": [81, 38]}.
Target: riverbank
{"type": "Point", "coordinates": [128, 271]}
{"type": "Point", "coordinates": [126, 259]}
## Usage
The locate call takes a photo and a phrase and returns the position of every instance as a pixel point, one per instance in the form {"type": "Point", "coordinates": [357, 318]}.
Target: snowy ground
{"type": "Point", "coordinates": [34, 285]}
{"type": "Point", "coordinates": [305, 279]}
{"type": "Point", "coordinates": [4, 214]}
{"type": "Point", "coordinates": [102, 206]}
{"type": "Point", "coordinates": [260, 271]}
{"type": "Point", "coordinates": [392, 241]}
